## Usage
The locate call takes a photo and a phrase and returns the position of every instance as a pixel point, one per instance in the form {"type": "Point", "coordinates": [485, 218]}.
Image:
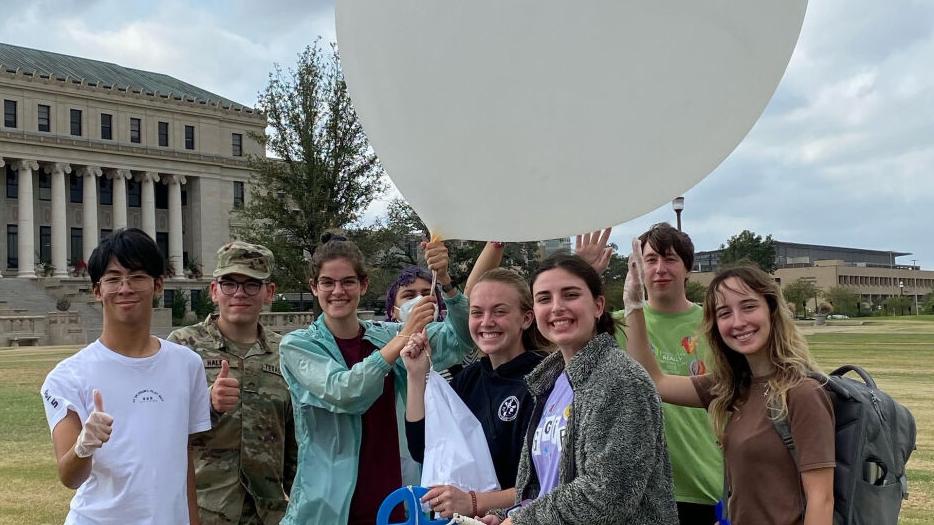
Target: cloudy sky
{"type": "Point", "coordinates": [844, 154]}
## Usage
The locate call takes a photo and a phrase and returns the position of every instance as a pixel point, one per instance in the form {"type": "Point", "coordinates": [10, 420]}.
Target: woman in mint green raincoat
{"type": "Point", "coordinates": [348, 389]}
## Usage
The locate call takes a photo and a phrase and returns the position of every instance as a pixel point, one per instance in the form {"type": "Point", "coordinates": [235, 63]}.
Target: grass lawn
{"type": "Point", "coordinates": [899, 353]}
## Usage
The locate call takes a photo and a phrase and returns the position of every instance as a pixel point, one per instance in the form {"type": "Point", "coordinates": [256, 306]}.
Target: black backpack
{"type": "Point", "coordinates": [874, 438]}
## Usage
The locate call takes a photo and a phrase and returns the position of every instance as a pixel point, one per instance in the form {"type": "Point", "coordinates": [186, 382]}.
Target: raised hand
{"type": "Point", "coordinates": [96, 430]}
{"type": "Point", "coordinates": [436, 255]}
{"type": "Point", "coordinates": [225, 393]}
{"type": "Point", "coordinates": [633, 291]}
{"type": "Point", "coordinates": [592, 247]}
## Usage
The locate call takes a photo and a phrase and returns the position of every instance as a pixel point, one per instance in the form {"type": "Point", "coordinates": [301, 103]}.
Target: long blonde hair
{"type": "Point", "coordinates": [787, 349]}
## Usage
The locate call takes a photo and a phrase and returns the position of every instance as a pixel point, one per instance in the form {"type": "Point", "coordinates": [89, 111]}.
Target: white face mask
{"type": "Point", "coordinates": [405, 310]}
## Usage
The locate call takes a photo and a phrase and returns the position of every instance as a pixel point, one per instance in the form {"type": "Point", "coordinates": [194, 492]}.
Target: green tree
{"type": "Point", "coordinates": [897, 305]}
{"type": "Point", "coordinates": [322, 173]}
{"type": "Point", "coordinates": [928, 305]}
{"type": "Point", "coordinates": [843, 299]}
{"type": "Point", "coordinates": [695, 292]}
{"type": "Point", "coordinates": [747, 245]}
{"type": "Point", "coordinates": [798, 293]}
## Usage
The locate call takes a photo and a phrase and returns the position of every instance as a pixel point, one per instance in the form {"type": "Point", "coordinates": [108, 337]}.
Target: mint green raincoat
{"type": "Point", "coordinates": [328, 400]}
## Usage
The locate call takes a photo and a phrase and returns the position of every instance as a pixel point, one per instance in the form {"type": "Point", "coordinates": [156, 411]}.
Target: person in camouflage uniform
{"type": "Point", "coordinates": [244, 465]}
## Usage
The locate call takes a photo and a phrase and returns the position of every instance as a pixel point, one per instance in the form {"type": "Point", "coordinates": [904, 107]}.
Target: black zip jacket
{"type": "Point", "coordinates": [501, 402]}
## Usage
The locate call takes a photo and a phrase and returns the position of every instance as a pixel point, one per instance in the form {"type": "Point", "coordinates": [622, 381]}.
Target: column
{"type": "Point", "coordinates": [175, 225]}
{"type": "Point", "coordinates": [59, 223]}
{"type": "Point", "coordinates": [2, 164]}
{"type": "Point", "coordinates": [119, 178]}
{"type": "Point", "coordinates": [149, 202]}
{"type": "Point", "coordinates": [26, 244]}
{"type": "Point", "coordinates": [91, 233]}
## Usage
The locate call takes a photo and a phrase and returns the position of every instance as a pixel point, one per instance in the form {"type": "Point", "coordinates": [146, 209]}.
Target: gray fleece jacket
{"type": "Point", "coordinates": [614, 465]}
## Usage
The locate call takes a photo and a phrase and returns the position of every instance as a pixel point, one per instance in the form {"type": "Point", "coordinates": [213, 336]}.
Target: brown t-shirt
{"type": "Point", "coordinates": [765, 483]}
{"type": "Point", "coordinates": [379, 471]}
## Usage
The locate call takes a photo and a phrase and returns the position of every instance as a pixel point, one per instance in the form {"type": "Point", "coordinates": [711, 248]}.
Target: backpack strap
{"type": "Point", "coordinates": [784, 431]}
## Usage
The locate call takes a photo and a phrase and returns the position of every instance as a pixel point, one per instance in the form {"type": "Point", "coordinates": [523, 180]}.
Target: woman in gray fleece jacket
{"type": "Point", "coordinates": [595, 449]}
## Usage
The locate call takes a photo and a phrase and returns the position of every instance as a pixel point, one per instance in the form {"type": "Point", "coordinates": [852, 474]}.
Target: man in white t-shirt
{"type": "Point", "coordinates": [122, 408]}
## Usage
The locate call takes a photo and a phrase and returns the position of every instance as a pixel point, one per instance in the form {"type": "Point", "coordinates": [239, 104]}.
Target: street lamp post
{"type": "Point", "coordinates": [677, 204]}
{"type": "Point", "coordinates": [901, 290]}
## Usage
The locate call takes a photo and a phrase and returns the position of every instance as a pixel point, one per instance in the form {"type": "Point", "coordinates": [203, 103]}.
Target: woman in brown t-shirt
{"type": "Point", "coordinates": [760, 360]}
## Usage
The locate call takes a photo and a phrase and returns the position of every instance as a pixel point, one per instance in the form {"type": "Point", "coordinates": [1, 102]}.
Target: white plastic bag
{"type": "Point", "coordinates": [456, 451]}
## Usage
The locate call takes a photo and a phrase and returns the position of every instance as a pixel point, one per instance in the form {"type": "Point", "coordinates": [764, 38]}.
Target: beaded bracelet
{"type": "Point", "coordinates": [473, 502]}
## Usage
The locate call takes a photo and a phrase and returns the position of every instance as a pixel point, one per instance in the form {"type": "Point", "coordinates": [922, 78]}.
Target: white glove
{"type": "Point", "coordinates": [96, 430]}
{"type": "Point", "coordinates": [633, 291]}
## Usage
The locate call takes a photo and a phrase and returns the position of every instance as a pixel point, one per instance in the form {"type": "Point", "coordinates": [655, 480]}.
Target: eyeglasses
{"type": "Point", "coordinates": [230, 287]}
{"type": "Point", "coordinates": [347, 283]}
{"type": "Point", "coordinates": [136, 282]}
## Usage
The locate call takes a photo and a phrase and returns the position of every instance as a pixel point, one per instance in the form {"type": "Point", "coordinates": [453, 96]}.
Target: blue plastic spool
{"type": "Point", "coordinates": [411, 497]}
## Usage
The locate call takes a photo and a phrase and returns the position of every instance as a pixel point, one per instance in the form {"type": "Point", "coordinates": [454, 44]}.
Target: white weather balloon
{"type": "Point", "coordinates": [530, 119]}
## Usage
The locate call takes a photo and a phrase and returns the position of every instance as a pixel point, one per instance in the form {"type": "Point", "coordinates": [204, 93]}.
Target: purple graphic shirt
{"type": "Point", "coordinates": [550, 434]}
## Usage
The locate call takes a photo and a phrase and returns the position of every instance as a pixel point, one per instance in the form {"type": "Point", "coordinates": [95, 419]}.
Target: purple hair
{"type": "Point", "coordinates": [406, 277]}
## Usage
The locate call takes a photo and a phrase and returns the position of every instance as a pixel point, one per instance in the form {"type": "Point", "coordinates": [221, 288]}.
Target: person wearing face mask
{"type": "Point", "coordinates": [493, 388]}
{"type": "Point", "coordinates": [413, 283]}
{"type": "Point", "coordinates": [348, 388]}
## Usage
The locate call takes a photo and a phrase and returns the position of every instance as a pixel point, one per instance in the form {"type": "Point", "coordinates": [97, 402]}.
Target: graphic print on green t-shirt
{"type": "Point", "coordinates": [696, 460]}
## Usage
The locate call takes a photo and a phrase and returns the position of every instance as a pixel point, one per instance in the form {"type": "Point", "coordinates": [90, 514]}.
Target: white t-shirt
{"type": "Point", "coordinates": [140, 475]}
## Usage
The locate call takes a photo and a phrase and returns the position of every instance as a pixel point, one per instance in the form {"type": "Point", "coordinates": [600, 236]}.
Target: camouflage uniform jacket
{"type": "Point", "coordinates": [251, 449]}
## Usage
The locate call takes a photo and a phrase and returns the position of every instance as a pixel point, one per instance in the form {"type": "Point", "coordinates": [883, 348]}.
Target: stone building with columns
{"type": "Point", "coordinates": [87, 147]}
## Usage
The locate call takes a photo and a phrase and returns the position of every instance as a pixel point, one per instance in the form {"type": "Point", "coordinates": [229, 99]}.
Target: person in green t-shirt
{"type": "Point", "coordinates": [673, 324]}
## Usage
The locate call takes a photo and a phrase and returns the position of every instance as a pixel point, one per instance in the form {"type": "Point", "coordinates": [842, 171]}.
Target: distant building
{"type": "Point", "coordinates": [552, 246]}
{"type": "Point", "coordinates": [873, 275]}
{"type": "Point", "coordinates": [87, 147]}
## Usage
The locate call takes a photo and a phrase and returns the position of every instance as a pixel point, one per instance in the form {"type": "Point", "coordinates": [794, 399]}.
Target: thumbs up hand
{"type": "Point", "coordinates": [96, 430]}
{"type": "Point", "coordinates": [225, 393]}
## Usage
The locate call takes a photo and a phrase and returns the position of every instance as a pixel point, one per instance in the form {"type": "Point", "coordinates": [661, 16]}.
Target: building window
{"type": "Point", "coordinates": [106, 190]}
{"type": "Point", "coordinates": [105, 232]}
{"type": "Point", "coordinates": [134, 130]}
{"type": "Point", "coordinates": [76, 122]}
{"type": "Point", "coordinates": [45, 187]}
{"type": "Point", "coordinates": [237, 142]}
{"type": "Point", "coordinates": [134, 193]}
{"type": "Point", "coordinates": [189, 137]}
{"type": "Point", "coordinates": [45, 122]}
{"type": "Point", "coordinates": [162, 196]}
{"type": "Point", "coordinates": [76, 189]}
{"type": "Point", "coordinates": [9, 113]}
{"type": "Point", "coordinates": [107, 129]}
{"type": "Point", "coordinates": [164, 134]}
{"type": "Point", "coordinates": [45, 244]}
{"type": "Point", "coordinates": [238, 194]}
{"type": "Point", "coordinates": [77, 245]}
{"type": "Point", "coordinates": [12, 247]}
{"type": "Point", "coordinates": [12, 183]}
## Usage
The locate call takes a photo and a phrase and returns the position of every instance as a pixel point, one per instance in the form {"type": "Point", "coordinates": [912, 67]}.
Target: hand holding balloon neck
{"type": "Point", "coordinates": [436, 255]}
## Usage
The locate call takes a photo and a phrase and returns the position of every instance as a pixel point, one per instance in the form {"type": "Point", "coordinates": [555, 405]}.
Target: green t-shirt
{"type": "Point", "coordinates": [696, 460]}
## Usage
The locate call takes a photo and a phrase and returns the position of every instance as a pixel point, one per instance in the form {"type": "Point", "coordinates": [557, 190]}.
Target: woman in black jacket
{"type": "Point", "coordinates": [501, 325]}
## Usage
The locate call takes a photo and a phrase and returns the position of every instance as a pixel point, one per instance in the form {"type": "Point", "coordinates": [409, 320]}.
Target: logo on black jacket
{"type": "Point", "coordinates": [509, 408]}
